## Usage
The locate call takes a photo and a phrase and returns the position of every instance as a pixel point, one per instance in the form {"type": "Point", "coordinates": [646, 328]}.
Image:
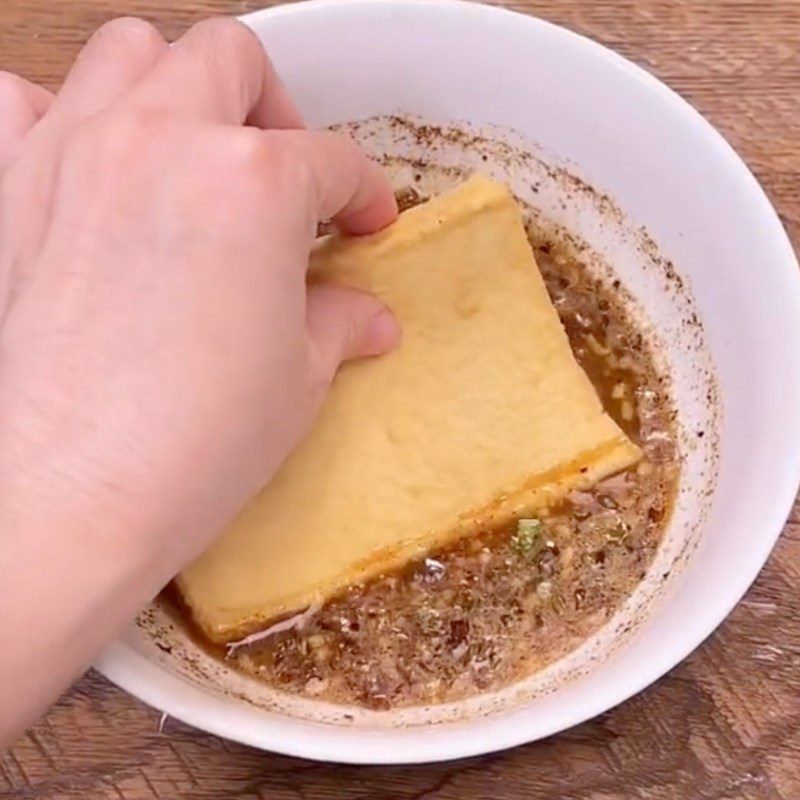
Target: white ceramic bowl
{"type": "Point", "coordinates": [561, 101]}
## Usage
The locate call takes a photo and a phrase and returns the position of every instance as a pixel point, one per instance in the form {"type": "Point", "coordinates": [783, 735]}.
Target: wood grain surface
{"type": "Point", "coordinates": [725, 724]}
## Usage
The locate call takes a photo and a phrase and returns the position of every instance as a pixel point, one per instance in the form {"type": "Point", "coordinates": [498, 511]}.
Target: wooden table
{"type": "Point", "coordinates": [725, 724]}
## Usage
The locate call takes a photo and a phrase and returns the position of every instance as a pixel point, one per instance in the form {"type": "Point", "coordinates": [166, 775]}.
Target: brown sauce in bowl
{"type": "Point", "coordinates": [497, 607]}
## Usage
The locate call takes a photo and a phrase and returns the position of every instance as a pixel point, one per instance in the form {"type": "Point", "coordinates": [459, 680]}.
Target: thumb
{"type": "Point", "coordinates": [343, 324]}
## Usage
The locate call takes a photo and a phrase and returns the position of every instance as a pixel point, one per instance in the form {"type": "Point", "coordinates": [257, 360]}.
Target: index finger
{"type": "Point", "coordinates": [344, 184]}
{"type": "Point", "coordinates": [219, 72]}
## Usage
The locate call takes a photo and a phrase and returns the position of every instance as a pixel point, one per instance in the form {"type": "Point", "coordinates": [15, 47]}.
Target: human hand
{"type": "Point", "coordinates": [160, 354]}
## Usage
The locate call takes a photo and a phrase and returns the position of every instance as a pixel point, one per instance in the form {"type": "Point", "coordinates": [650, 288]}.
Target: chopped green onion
{"type": "Point", "coordinates": [527, 541]}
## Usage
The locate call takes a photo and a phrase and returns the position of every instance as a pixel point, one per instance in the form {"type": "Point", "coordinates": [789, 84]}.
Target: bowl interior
{"type": "Point", "coordinates": [682, 223]}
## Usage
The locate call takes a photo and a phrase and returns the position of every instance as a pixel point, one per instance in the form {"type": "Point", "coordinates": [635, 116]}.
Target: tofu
{"type": "Point", "coordinates": [480, 416]}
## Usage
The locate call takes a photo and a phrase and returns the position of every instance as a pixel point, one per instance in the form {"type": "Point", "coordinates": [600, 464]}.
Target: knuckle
{"type": "Point", "coordinates": [228, 48]}
{"type": "Point", "coordinates": [225, 35]}
{"type": "Point", "coordinates": [130, 37]}
{"type": "Point", "coordinates": [248, 150]}
{"type": "Point", "coordinates": [269, 159]}
{"type": "Point", "coordinates": [291, 163]}
{"type": "Point", "coordinates": [254, 167]}
{"type": "Point", "coordinates": [274, 165]}
{"type": "Point", "coordinates": [12, 97]}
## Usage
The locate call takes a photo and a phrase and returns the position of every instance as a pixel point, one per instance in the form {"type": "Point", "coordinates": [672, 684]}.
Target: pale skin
{"type": "Point", "coordinates": [160, 353]}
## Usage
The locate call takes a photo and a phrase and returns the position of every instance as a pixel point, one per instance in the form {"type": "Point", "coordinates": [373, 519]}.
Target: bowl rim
{"type": "Point", "coordinates": [135, 674]}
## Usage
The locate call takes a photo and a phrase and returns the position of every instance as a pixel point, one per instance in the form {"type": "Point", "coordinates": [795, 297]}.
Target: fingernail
{"type": "Point", "coordinates": [383, 332]}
